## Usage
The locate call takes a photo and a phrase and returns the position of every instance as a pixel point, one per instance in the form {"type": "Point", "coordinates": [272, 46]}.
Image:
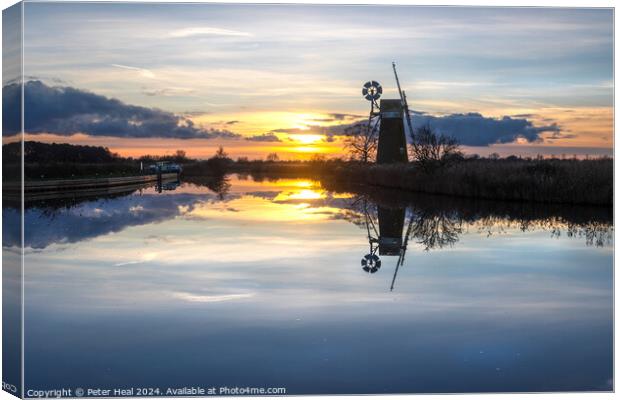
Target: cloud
{"type": "Point", "coordinates": [343, 116]}
{"type": "Point", "coordinates": [142, 71]}
{"type": "Point", "coordinates": [68, 111]}
{"type": "Point", "coordinates": [328, 131]}
{"type": "Point", "coordinates": [205, 31]}
{"type": "Point", "coordinates": [470, 129]}
{"type": "Point", "coordinates": [331, 117]}
{"type": "Point", "coordinates": [311, 129]}
{"type": "Point", "coordinates": [296, 131]}
{"type": "Point", "coordinates": [232, 122]}
{"type": "Point", "coordinates": [558, 135]}
{"type": "Point", "coordinates": [473, 129]}
{"type": "Point", "coordinates": [168, 91]}
{"type": "Point", "coordinates": [265, 137]}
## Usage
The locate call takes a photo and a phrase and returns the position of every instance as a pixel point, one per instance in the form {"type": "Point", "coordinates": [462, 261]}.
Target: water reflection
{"type": "Point", "coordinates": [220, 185]}
{"type": "Point", "coordinates": [160, 186]}
{"type": "Point", "coordinates": [435, 222]}
{"type": "Point", "coordinates": [390, 218]}
{"type": "Point", "coordinates": [258, 281]}
{"type": "Point", "coordinates": [397, 225]}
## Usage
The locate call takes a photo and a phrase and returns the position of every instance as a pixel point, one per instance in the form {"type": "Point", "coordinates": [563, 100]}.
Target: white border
{"type": "Point", "coordinates": [497, 3]}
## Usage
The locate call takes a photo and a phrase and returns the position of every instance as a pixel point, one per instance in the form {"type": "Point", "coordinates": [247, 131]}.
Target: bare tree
{"type": "Point", "coordinates": [362, 140]}
{"type": "Point", "coordinates": [272, 157]}
{"type": "Point", "coordinates": [220, 153]}
{"type": "Point", "coordinates": [430, 150]}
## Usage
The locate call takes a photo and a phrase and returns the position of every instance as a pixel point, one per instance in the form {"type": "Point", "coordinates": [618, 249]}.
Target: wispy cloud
{"type": "Point", "coordinates": [142, 71]}
{"type": "Point", "coordinates": [265, 137]}
{"type": "Point", "coordinates": [205, 31]}
{"type": "Point", "coordinates": [169, 91]}
{"type": "Point", "coordinates": [122, 264]}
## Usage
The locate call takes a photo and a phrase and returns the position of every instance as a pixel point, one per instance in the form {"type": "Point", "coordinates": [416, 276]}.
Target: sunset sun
{"type": "Point", "coordinates": [308, 138]}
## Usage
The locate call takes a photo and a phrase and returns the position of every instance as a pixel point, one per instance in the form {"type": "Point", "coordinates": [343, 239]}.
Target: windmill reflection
{"type": "Point", "coordinates": [370, 262]}
{"type": "Point", "coordinates": [390, 228]}
{"type": "Point", "coordinates": [384, 228]}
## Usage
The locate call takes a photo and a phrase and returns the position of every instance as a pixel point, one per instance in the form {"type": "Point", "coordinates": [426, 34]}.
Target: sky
{"type": "Point", "coordinates": [154, 78]}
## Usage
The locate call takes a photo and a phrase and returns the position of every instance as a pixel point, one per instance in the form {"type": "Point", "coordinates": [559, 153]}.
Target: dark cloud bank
{"type": "Point", "coordinates": [473, 129]}
{"type": "Point", "coordinates": [67, 111]}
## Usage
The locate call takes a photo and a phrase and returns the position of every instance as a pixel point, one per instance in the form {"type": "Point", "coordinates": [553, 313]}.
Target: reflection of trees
{"type": "Point", "coordinates": [435, 230]}
{"type": "Point", "coordinates": [430, 228]}
{"type": "Point", "coordinates": [595, 233]}
{"type": "Point", "coordinates": [219, 184]}
{"type": "Point", "coordinates": [438, 221]}
{"type": "Point", "coordinates": [53, 206]}
{"type": "Point", "coordinates": [435, 222]}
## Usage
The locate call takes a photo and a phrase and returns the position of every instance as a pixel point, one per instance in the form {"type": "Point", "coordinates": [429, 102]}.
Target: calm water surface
{"type": "Point", "coordinates": [286, 283]}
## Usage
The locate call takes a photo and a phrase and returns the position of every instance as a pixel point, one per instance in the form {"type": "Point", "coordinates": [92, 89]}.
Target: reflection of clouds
{"type": "Point", "coordinates": [316, 273]}
{"type": "Point", "coordinates": [94, 218]}
{"type": "Point", "coordinates": [280, 202]}
{"type": "Point", "coordinates": [205, 277]}
{"type": "Point", "coordinates": [138, 208]}
{"type": "Point", "coordinates": [197, 298]}
{"type": "Point", "coordinates": [210, 285]}
{"type": "Point", "coordinates": [251, 208]}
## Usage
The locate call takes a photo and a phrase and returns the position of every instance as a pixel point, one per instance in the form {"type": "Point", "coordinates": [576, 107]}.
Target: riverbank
{"type": "Point", "coordinates": [570, 181]}
{"type": "Point", "coordinates": [562, 181]}
{"type": "Point", "coordinates": [56, 188]}
{"type": "Point", "coordinates": [544, 181]}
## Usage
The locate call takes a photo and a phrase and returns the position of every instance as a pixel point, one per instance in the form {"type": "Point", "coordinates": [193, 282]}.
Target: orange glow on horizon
{"type": "Point", "coordinates": [301, 135]}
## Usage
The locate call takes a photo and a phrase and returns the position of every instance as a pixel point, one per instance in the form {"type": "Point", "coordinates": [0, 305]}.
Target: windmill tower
{"type": "Point", "coordinates": [393, 115]}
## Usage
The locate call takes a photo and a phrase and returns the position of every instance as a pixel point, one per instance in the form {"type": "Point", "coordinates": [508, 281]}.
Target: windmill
{"type": "Point", "coordinates": [371, 91]}
{"type": "Point", "coordinates": [403, 100]}
{"type": "Point", "coordinates": [389, 116]}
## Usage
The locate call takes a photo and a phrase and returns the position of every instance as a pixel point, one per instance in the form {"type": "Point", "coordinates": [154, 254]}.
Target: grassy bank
{"type": "Point", "coordinates": [547, 181]}
{"type": "Point", "coordinates": [557, 181]}
{"type": "Point", "coordinates": [561, 181]}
